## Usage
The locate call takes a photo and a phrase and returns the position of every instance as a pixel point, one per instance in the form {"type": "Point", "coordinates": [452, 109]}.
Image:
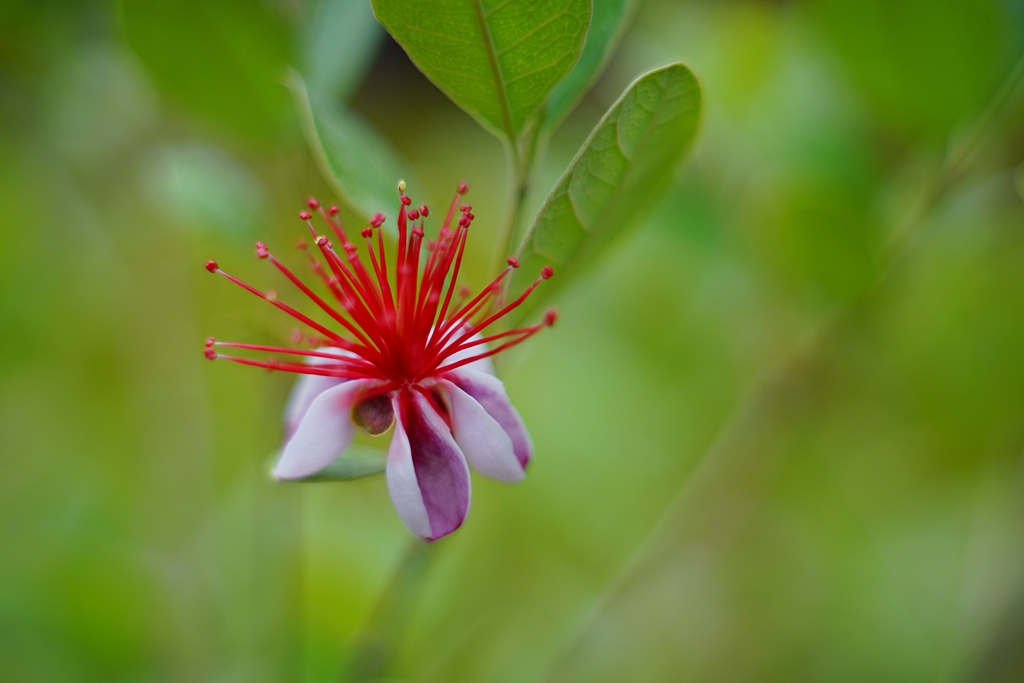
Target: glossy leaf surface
{"type": "Point", "coordinates": [620, 167]}
{"type": "Point", "coordinates": [607, 24]}
{"type": "Point", "coordinates": [497, 59]}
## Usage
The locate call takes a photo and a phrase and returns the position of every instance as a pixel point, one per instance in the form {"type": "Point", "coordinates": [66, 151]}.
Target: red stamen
{"type": "Point", "coordinates": [400, 337]}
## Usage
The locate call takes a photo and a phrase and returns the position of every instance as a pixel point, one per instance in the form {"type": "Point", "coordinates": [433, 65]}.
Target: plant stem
{"type": "Point", "coordinates": [378, 642]}
{"type": "Point", "coordinates": [518, 184]}
{"type": "Point", "coordinates": [953, 166]}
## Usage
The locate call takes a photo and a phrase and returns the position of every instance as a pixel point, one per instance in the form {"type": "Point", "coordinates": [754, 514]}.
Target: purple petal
{"type": "Point", "coordinates": [489, 392]}
{"type": "Point", "coordinates": [324, 432]}
{"type": "Point", "coordinates": [427, 475]}
{"type": "Point", "coordinates": [308, 387]}
{"type": "Point", "coordinates": [483, 441]}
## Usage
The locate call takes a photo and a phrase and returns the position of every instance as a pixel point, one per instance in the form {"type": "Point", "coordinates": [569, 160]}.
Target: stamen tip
{"type": "Point", "coordinates": [550, 317]}
{"type": "Point", "coordinates": [463, 188]}
{"type": "Point", "coordinates": [210, 341]}
{"type": "Point", "coordinates": [401, 186]}
{"type": "Point", "coordinates": [405, 200]}
{"type": "Point", "coordinates": [210, 353]}
{"type": "Point", "coordinates": [305, 215]}
{"type": "Point", "coordinates": [313, 204]}
{"type": "Point", "coordinates": [424, 211]}
{"type": "Point", "coordinates": [261, 250]}
{"type": "Point", "coordinates": [212, 266]}
{"type": "Point", "coordinates": [378, 220]}
{"type": "Point", "coordinates": [546, 272]}
{"type": "Point", "coordinates": [513, 261]}
{"type": "Point", "coordinates": [367, 232]}
{"type": "Point", "coordinates": [414, 214]}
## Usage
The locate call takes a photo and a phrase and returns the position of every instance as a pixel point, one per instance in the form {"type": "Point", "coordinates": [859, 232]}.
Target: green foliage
{"type": "Point", "coordinates": [222, 60]}
{"type": "Point", "coordinates": [606, 27]}
{"type": "Point", "coordinates": [721, 492]}
{"type": "Point", "coordinates": [358, 163]}
{"type": "Point", "coordinates": [921, 63]}
{"type": "Point", "coordinates": [340, 40]}
{"type": "Point", "coordinates": [626, 160]}
{"type": "Point", "coordinates": [497, 59]}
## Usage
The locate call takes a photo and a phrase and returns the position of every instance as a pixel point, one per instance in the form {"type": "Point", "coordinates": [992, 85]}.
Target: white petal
{"type": "Point", "coordinates": [427, 474]}
{"type": "Point", "coordinates": [324, 432]}
{"type": "Point", "coordinates": [489, 392]}
{"type": "Point", "coordinates": [483, 441]}
{"type": "Point", "coordinates": [308, 387]}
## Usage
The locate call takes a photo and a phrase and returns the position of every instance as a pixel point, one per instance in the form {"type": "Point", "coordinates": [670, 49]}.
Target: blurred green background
{"type": "Point", "coordinates": [762, 453]}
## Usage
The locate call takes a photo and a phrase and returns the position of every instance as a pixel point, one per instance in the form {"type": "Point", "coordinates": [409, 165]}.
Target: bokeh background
{"type": "Point", "coordinates": [767, 451]}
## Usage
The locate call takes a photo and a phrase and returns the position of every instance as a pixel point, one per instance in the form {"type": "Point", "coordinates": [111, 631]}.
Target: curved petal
{"type": "Point", "coordinates": [324, 432]}
{"type": "Point", "coordinates": [489, 392]}
{"type": "Point", "coordinates": [483, 441]}
{"type": "Point", "coordinates": [308, 387]}
{"type": "Point", "coordinates": [427, 474]}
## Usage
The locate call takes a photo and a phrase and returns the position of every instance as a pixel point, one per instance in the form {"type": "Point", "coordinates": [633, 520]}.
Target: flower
{"type": "Point", "coordinates": [409, 353]}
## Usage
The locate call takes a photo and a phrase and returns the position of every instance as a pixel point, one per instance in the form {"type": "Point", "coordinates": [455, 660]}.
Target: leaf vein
{"type": "Point", "coordinates": [536, 29]}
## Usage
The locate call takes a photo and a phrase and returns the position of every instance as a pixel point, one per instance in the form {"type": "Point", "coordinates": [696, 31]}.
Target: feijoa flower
{"type": "Point", "coordinates": [406, 347]}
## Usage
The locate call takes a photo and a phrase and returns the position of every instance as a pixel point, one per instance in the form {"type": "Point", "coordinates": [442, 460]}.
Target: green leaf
{"type": "Point", "coordinates": [607, 25]}
{"type": "Point", "coordinates": [620, 167]}
{"type": "Point", "coordinates": [341, 39]}
{"type": "Point", "coordinates": [497, 59]}
{"type": "Point", "coordinates": [222, 60]}
{"type": "Point", "coordinates": [357, 161]}
{"type": "Point", "coordinates": [356, 462]}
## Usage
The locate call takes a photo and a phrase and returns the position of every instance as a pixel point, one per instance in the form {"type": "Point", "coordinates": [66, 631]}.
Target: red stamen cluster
{"type": "Point", "coordinates": [402, 327]}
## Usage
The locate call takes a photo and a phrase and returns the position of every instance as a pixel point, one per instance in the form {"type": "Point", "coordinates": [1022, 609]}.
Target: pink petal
{"type": "Point", "coordinates": [483, 441]}
{"type": "Point", "coordinates": [427, 475]}
{"type": "Point", "coordinates": [308, 387]}
{"type": "Point", "coordinates": [489, 392]}
{"type": "Point", "coordinates": [324, 433]}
